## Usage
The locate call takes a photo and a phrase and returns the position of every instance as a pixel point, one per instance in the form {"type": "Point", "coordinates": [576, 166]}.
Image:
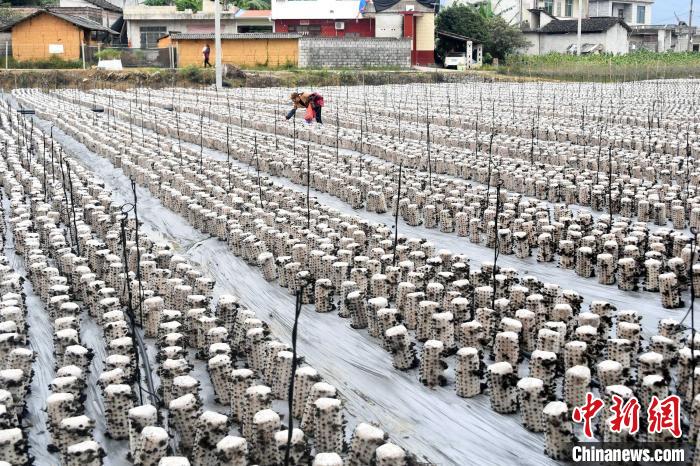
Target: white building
{"type": "Point", "coordinates": [632, 12]}
{"type": "Point", "coordinates": [561, 9]}
{"type": "Point", "coordinates": [548, 34]}
{"type": "Point", "coordinates": [664, 38]}
{"type": "Point", "coordinates": [510, 10]}
{"type": "Point", "coordinates": [146, 24]}
{"type": "Point", "coordinates": [518, 11]}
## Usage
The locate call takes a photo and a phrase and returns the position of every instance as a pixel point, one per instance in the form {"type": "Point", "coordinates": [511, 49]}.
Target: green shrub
{"type": "Point", "coordinates": [194, 5]}
{"type": "Point", "coordinates": [53, 63]}
{"type": "Point", "coordinates": [481, 24]}
{"type": "Point", "coordinates": [605, 67]}
{"type": "Point", "coordinates": [191, 72]}
{"type": "Point", "coordinates": [109, 54]}
{"type": "Point", "coordinates": [196, 74]}
{"type": "Point", "coordinates": [157, 2]}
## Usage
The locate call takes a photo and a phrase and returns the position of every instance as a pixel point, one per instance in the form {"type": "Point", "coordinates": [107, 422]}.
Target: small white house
{"type": "Point", "coordinates": [598, 35]}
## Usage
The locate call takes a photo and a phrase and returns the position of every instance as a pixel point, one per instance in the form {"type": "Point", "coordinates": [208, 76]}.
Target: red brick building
{"type": "Point", "coordinates": [413, 19]}
{"type": "Point", "coordinates": [363, 27]}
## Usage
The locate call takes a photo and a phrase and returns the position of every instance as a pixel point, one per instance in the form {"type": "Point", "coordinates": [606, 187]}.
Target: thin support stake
{"type": "Point", "coordinates": [308, 186]}
{"type": "Point", "coordinates": [396, 214]}
{"type": "Point", "coordinates": [290, 394]}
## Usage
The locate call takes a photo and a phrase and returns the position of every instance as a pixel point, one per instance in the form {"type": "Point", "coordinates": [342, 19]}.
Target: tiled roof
{"type": "Point", "coordinates": [83, 23]}
{"type": "Point", "coordinates": [80, 22]}
{"type": "Point", "coordinates": [252, 35]}
{"type": "Point", "coordinates": [588, 25]}
{"type": "Point", "coordinates": [105, 5]}
{"type": "Point", "coordinates": [254, 14]}
{"type": "Point", "coordinates": [14, 14]}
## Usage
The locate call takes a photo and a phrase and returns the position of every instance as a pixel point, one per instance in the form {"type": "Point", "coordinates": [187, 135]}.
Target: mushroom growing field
{"type": "Point", "coordinates": [439, 274]}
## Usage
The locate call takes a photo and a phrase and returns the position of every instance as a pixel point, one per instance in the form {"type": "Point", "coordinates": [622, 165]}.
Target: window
{"type": "Point", "coordinates": [150, 35]}
{"type": "Point", "coordinates": [549, 6]}
{"type": "Point", "coordinates": [641, 14]}
{"type": "Point", "coordinates": [569, 10]}
{"type": "Point", "coordinates": [309, 30]}
{"type": "Point", "coordinates": [251, 29]}
{"type": "Point", "coordinates": [621, 13]}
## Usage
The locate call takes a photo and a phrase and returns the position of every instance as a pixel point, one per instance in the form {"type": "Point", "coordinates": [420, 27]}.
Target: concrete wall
{"type": "Point", "coordinates": [354, 53]}
{"type": "Point", "coordinates": [241, 52]}
{"type": "Point", "coordinates": [31, 38]}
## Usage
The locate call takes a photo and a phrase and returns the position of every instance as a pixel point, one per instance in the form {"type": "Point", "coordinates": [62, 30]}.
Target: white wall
{"type": "Point", "coordinates": [315, 9]}
{"type": "Point", "coordinates": [534, 47]}
{"type": "Point", "coordinates": [559, 43]}
{"type": "Point", "coordinates": [615, 40]}
{"type": "Point", "coordinates": [389, 26]}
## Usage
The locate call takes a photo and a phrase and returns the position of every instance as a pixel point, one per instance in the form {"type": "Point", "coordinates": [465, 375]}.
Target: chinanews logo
{"type": "Point", "coordinates": [661, 415]}
{"type": "Point", "coordinates": [624, 420]}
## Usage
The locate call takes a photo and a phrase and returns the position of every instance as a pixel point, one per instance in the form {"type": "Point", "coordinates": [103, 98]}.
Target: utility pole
{"type": "Point", "coordinates": [520, 15]}
{"type": "Point", "coordinates": [690, 27]}
{"type": "Point", "coordinates": [217, 42]}
{"type": "Point", "coordinates": [580, 19]}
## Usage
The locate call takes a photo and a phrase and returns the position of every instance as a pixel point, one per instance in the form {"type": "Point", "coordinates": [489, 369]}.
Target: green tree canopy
{"type": "Point", "coordinates": [254, 4]}
{"type": "Point", "coordinates": [197, 5]}
{"type": "Point", "coordinates": [481, 24]}
{"type": "Point", "coordinates": [194, 5]}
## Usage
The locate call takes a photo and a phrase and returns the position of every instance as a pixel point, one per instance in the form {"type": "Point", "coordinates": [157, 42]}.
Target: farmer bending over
{"type": "Point", "coordinates": [311, 101]}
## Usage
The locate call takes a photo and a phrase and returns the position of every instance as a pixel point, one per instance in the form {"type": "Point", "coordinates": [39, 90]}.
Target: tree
{"type": "Point", "coordinates": [481, 24]}
{"type": "Point", "coordinates": [194, 5]}
{"type": "Point", "coordinates": [157, 2]}
{"type": "Point", "coordinates": [29, 3]}
{"type": "Point", "coordinates": [504, 39]}
{"type": "Point", "coordinates": [254, 4]}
